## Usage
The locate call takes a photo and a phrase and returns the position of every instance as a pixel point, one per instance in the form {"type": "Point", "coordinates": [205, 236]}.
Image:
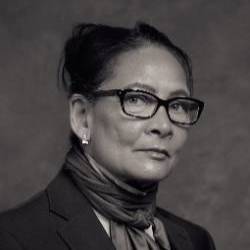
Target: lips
{"type": "Point", "coordinates": [156, 153]}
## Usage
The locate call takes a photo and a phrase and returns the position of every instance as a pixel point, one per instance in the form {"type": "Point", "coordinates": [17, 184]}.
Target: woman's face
{"type": "Point", "coordinates": [139, 151]}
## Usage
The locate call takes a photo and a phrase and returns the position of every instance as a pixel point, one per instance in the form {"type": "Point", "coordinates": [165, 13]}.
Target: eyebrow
{"type": "Point", "coordinates": [142, 86]}
{"type": "Point", "coordinates": [179, 92]}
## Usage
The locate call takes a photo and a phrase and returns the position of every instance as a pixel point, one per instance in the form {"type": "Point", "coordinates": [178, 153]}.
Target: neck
{"type": "Point", "coordinates": [135, 184]}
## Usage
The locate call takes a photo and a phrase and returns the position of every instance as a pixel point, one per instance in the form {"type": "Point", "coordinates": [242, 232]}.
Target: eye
{"type": "Point", "coordinates": [177, 107]}
{"type": "Point", "coordinates": [133, 99]}
{"type": "Point", "coordinates": [138, 99]}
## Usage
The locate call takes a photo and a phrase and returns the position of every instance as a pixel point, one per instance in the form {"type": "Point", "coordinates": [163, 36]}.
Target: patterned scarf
{"type": "Point", "coordinates": [129, 210]}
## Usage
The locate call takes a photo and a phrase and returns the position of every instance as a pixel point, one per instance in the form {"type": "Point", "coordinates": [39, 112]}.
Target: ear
{"type": "Point", "coordinates": [80, 114]}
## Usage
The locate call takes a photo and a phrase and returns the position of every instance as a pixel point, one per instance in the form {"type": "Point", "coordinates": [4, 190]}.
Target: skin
{"type": "Point", "coordinates": [125, 145]}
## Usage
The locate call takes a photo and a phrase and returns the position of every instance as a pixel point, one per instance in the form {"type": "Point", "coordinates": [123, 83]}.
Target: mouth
{"type": "Point", "coordinates": [156, 153]}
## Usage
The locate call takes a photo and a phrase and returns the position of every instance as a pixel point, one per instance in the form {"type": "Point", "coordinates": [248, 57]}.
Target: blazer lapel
{"type": "Point", "coordinates": [76, 223]}
{"type": "Point", "coordinates": [85, 233]}
{"type": "Point", "coordinates": [79, 228]}
{"type": "Point", "coordinates": [178, 237]}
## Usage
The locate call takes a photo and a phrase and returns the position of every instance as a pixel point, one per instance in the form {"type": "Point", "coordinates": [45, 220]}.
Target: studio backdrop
{"type": "Point", "coordinates": [210, 184]}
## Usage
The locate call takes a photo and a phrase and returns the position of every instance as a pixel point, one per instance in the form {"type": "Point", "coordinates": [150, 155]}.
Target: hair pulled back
{"type": "Point", "coordinates": [91, 48]}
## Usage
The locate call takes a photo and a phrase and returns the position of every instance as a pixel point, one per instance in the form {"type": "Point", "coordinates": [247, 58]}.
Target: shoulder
{"type": "Point", "coordinates": [21, 222]}
{"type": "Point", "coordinates": [188, 225]}
{"type": "Point", "coordinates": [8, 242]}
{"type": "Point", "coordinates": [34, 223]}
{"type": "Point", "coordinates": [199, 236]}
{"type": "Point", "coordinates": [24, 214]}
{"type": "Point", "coordinates": [38, 206]}
{"type": "Point", "coordinates": [26, 211]}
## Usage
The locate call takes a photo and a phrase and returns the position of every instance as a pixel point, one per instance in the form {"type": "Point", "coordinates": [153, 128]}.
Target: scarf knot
{"type": "Point", "coordinates": [129, 209]}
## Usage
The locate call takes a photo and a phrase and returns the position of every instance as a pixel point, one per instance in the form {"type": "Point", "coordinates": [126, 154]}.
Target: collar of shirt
{"type": "Point", "coordinates": [106, 225]}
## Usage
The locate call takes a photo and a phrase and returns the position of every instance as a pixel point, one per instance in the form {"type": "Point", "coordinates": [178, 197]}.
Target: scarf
{"type": "Point", "coordinates": [129, 209]}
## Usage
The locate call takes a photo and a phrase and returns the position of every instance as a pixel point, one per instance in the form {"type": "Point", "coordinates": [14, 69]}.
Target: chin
{"type": "Point", "coordinates": [148, 178]}
{"type": "Point", "coordinates": [156, 171]}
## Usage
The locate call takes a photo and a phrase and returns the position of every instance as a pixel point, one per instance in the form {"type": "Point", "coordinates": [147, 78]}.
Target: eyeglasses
{"type": "Point", "coordinates": [144, 105]}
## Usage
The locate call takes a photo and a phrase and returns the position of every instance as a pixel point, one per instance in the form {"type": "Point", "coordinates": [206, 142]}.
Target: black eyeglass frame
{"type": "Point", "coordinates": [160, 102]}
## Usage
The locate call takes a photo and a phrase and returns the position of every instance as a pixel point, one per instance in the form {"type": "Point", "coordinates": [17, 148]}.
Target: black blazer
{"type": "Point", "coordinates": [60, 218]}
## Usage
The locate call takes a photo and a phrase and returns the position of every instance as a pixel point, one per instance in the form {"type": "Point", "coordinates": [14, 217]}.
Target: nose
{"type": "Point", "coordinates": [160, 124]}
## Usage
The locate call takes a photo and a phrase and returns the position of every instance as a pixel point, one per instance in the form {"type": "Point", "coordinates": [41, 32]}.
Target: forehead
{"type": "Point", "coordinates": [150, 66]}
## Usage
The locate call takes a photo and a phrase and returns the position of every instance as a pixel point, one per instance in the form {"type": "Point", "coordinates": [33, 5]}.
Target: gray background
{"type": "Point", "coordinates": [210, 184]}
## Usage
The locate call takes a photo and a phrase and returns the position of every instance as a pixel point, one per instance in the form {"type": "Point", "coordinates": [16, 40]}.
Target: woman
{"type": "Point", "coordinates": [130, 111]}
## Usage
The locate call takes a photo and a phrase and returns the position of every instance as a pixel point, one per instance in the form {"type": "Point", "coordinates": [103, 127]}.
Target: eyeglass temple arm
{"type": "Point", "coordinates": [106, 92]}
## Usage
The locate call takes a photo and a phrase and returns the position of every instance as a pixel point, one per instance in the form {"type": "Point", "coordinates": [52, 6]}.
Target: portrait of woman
{"type": "Point", "coordinates": [131, 105]}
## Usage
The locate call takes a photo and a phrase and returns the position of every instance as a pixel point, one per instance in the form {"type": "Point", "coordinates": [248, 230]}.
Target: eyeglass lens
{"type": "Point", "coordinates": [144, 105]}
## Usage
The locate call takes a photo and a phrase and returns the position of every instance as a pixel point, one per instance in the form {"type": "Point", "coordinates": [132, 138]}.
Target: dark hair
{"type": "Point", "coordinates": [91, 48]}
{"type": "Point", "coordinates": [90, 51]}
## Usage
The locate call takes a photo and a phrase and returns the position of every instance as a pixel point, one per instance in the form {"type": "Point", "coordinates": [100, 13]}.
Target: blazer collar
{"type": "Point", "coordinates": [75, 220]}
{"type": "Point", "coordinates": [177, 235]}
{"type": "Point", "coordinates": [79, 227]}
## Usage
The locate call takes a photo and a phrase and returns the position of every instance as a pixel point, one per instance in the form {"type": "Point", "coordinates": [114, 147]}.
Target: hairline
{"type": "Point", "coordinates": [108, 70]}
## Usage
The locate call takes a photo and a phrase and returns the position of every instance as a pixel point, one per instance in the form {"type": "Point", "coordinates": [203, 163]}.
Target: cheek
{"type": "Point", "coordinates": [128, 132]}
{"type": "Point", "coordinates": [181, 135]}
{"type": "Point", "coordinates": [115, 129]}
